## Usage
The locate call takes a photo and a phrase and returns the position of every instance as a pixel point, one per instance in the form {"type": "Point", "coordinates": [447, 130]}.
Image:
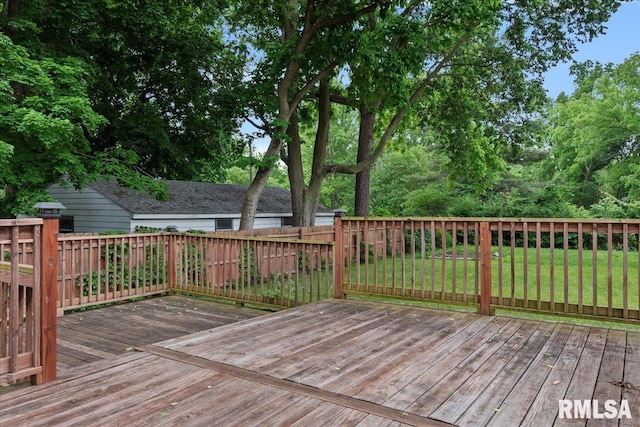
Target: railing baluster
{"type": "Point", "coordinates": [538, 260]}
{"type": "Point", "coordinates": [500, 262]}
{"type": "Point", "coordinates": [565, 243]}
{"type": "Point", "coordinates": [625, 271]}
{"type": "Point", "coordinates": [443, 256]}
{"type": "Point", "coordinates": [525, 262]}
{"type": "Point", "coordinates": [609, 270]}
{"type": "Point", "coordinates": [594, 270]}
{"type": "Point", "coordinates": [454, 256]}
{"type": "Point", "coordinates": [513, 264]}
{"type": "Point", "coordinates": [552, 290]}
{"type": "Point", "coordinates": [580, 270]}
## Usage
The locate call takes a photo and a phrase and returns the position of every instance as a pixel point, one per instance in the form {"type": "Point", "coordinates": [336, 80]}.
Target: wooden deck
{"type": "Point", "coordinates": [341, 363]}
{"type": "Point", "coordinates": [85, 337]}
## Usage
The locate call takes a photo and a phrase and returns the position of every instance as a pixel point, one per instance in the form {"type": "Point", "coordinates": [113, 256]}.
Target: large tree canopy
{"type": "Point", "coordinates": [471, 70]}
{"type": "Point", "coordinates": [132, 90]}
{"type": "Point", "coordinates": [157, 88]}
{"type": "Point", "coordinates": [45, 121]}
{"type": "Point", "coordinates": [596, 134]}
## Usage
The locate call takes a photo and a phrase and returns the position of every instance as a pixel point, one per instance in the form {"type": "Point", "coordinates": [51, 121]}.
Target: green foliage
{"type": "Point", "coordinates": [45, 121]}
{"type": "Point", "coordinates": [428, 201]}
{"type": "Point", "coordinates": [119, 274]}
{"type": "Point", "coordinates": [250, 272]}
{"type": "Point", "coordinates": [397, 173]}
{"type": "Point", "coordinates": [612, 207]}
{"type": "Point", "coordinates": [114, 90]}
{"type": "Point", "coordinates": [596, 135]}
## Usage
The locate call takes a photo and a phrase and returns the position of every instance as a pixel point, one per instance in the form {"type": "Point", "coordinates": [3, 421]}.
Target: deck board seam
{"type": "Point", "coordinates": [313, 392]}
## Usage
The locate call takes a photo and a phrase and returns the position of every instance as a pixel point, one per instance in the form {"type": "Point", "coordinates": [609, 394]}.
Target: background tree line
{"type": "Point", "coordinates": [381, 107]}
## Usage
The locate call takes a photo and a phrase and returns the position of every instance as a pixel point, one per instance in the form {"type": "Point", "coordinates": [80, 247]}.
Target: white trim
{"type": "Point", "coordinates": [182, 216]}
{"type": "Point", "coordinates": [216, 216]}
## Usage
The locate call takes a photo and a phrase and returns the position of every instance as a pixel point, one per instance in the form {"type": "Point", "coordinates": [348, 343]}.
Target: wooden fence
{"type": "Point", "coordinates": [559, 266]}
{"type": "Point", "coordinates": [25, 314]}
{"type": "Point", "coordinates": [102, 269]}
{"type": "Point", "coordinates": [322, 233]}
{"type": "Point", "coordinates": [278, 272]}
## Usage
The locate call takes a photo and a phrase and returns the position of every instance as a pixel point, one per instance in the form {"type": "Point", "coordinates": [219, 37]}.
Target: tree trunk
{"type": "Point", "coordinates": [295, 169]}
{"type": "Point", "coordinates": [10, 11]}
{"type": "Point", "coordinates": [305, 199]}
{"type": "Point", "coordinates": [363, 178]}
{"type": "Point", "coordinates": [318, 168]}
{"type": "Point", "coordinates": [252, 197]}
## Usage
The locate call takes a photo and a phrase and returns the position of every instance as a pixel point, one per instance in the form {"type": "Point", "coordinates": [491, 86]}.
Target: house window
{"type": "Point", "coordinates": [286, 221]}
{"type": "Point", "coordinates": [66, 224]}
{"type": "Point", "coordinates": [224, 224]}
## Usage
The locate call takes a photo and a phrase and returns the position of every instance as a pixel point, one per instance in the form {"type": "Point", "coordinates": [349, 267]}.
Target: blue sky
{"type": "Point", "coordinates": [620, 41]}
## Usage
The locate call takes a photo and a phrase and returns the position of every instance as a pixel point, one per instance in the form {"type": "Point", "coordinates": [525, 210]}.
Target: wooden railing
{"type": "Point", "coordinates": [278, 272]}
{"type": "Point", "coordinates": [21, 317]}
{"type": "Point", "coordinates": [101, 269]}
{"type": "Point", "coordinates": [321, 233]}
{"type": "Point", "coordinates": [281, 272]}
{"type": "Point", "coordinates": [559, 266]}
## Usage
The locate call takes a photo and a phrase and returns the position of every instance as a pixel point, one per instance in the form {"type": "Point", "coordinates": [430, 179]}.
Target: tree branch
{"type": "Point", "coordinates": [402, 112]}
{"type": "Point", "coordinates": [311, 83]}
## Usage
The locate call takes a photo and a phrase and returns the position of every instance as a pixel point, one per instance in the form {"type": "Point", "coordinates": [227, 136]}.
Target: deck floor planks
{"type": "Point", "coordinates": [221, 405]}
{"type": "Point", "coordinates": [375, 421]}
{"type": "Point", "coordinates": [273, 350]}
{"type": "Point", "coordinates": [611, 371]}
{"type": "Point", "coordinates": [273, 404]}
{"type": "Point", "coordinates": [424, 361]}
{"type": "Point", "coordinates": [515, 407]}
{"type": "Point", "coordinates": [68, 358]}
{"type": "Point", "coordinates": [477, 381]}
{"type": "Point", "coordinates": [82, 349]}
{"type": "Point", "coordinates": [82, 374]}
{"type": "Point", "coordinates": [203, 405]}
{"type": "Point", "coordinates": [338, 350]}
{"type": "Point", "coordinates": [367, 355]}
{"type": "Point", "coordinates": [393, 358]}
{"type": "Point", "coordinates": [182, 314]}
{"type": "Point", "coordinates": [557, 383]}
{"type": "Point", "coordinates": [435, 395]}
{"type": "Point", "coordinates": [491, 398]}
{"type": "Point", "coordinates": [403, 368]}
{"type": "Point", "coordinates": [402, 388]}
{"type": "Point", "coordinates": [72, 354]}
{"type": "Point", "coordinates": [463, 362]}
{"type": "Point", "coordinates": [151, 382]}
{"type": "Point", "coordinates": [85, 336]}
{"type": "Point", "coordinates": [161, 403]}
{"type": "Point", "coordinates": [244, 334]}
{"type": "Point", "coordinates": [632, 379]}
{"type": "Point", "coordinates": [77, 392]}
{"type": "Point", "coordinates": [318, 416]}
{"type": "Point", "coordinates": [585, 376]}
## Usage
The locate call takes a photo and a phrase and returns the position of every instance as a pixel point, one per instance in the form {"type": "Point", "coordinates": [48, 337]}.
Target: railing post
{"type": "Point", "coordinates": [48, 299]}
{"type": "Point", "coordinates": [338, 258]}
{"type": "Point", "coordinates": [485, 270]}
{"type": "Point", "coordinates": [171, 263]}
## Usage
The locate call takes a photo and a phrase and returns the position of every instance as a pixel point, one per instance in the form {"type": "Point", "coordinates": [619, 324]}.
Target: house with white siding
{"type": "Point", "coordinates": [107, 206]}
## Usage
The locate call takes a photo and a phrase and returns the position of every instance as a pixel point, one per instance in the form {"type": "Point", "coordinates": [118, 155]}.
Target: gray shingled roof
{"type": "Point", "coordinates": [187, 197]}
